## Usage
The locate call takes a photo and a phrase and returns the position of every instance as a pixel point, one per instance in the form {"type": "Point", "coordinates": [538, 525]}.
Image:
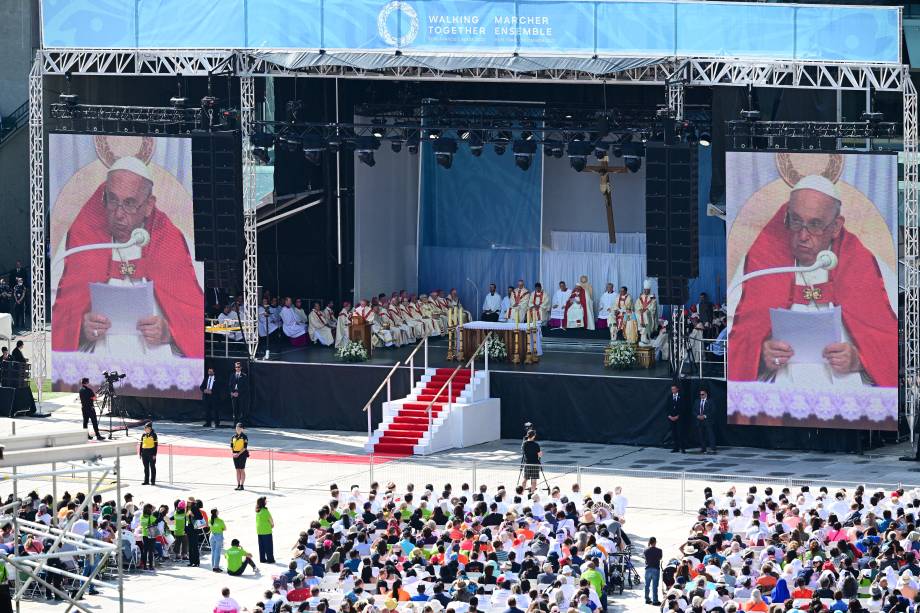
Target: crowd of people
{"type": "Point", "coordinates": [780, 550]}
{"type": "Point", "coordinates": [459, 550]}
{"type": "Point", "coordinates": [149, 535]}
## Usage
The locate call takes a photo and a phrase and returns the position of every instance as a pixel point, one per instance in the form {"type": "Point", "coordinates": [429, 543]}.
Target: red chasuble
{"type": "Point", "coordinates": [165, 261]}
{"type": "Point", "coordinates": [854, 285]}
{"type": "Point", "coordinates": [576, 291]}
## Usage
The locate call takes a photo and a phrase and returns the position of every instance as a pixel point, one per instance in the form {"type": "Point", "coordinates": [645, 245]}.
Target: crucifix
{"type": "Point", "coordinates": [604, 171]}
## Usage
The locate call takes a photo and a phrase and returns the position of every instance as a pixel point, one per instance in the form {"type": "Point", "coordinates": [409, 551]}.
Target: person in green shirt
{"type": "Point", "coordinates": [238, 559]}
{"type": "Point", "coordinates": [596, 579]}
{"type": "Point", "coordinates": [217, 540]}
{"type": "Point", "coordinates": [6, 602]}
{"type": "Point", "coordinates": [148, 525]}
{"type": "Point", "coordinates": [264, 525]}
{"type": "Point", "coordinates": [180, 517]}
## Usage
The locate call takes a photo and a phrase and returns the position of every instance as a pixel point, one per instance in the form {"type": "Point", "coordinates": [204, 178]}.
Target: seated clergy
{"type": "Point", "coordinates": [341, 324]}
{"type": "Point", "coordinates": [228, 318]}
{"type": "Point", "coordinates": [408, 314]}
{"type": "Point", "coordinates": [382, 336]}
{"type": "Point", "coordinates": [269, 320]}
{"type": "Point", "coordinates": [430, 315]}
{"type": "Point", "coordinates": [319, 331]}
{"type": "Point", "coordinates": [299, 312]}
{"type": "Point", "coordinates": [291, 326]}
{"type": "Point", "coordinates": [399, 322]}
{"type": "Point", "coordinates": [507, 305]}
{"type": "Point", "coordinates": [329, 314]}
{"type": "Point", "coordinates": [560, 299]}
{"type": "Point", "coordinates": [492, 305]}
{"type": "Point", "coordinates": [399, 334]}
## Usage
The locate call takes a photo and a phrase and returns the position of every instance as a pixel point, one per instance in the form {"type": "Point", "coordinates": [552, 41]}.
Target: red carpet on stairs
{"type": "Point", "coordinates": [411, 423]}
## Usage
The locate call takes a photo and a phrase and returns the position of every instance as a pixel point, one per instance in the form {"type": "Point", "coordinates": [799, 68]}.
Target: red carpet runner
{"type": "Point", "coordinates": [411, 423]}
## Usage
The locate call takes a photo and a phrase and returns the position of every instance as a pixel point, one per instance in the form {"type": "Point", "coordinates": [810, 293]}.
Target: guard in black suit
{"type": "Point", "coordinates": [675, 419]}
{"type": "Point", "coordinates": [239, 391]}
{"type": "Point", "coordinates": [704, 309]}
{"type": "Point", "coordinates": [704, 414]}
{"type": "Point", "coordinates": [208, 389]}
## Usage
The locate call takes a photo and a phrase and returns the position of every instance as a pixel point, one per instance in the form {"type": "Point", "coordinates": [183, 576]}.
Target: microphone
{"type": "Point", "coordinates": [140, 237]}
{"type": "Point", "coordinates": [825, 259]}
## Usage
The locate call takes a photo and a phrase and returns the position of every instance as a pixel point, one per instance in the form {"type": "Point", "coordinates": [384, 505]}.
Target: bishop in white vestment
{"type": "Point", "coordinates": [319, 331]}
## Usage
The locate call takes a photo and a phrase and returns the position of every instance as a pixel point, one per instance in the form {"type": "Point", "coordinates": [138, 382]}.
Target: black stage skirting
{"type": "Point", "coordinates": [572, 408]}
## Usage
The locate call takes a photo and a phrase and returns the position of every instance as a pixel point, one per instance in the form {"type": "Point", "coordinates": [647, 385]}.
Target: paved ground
{"type": "Point", "coordinates": [297, 472]}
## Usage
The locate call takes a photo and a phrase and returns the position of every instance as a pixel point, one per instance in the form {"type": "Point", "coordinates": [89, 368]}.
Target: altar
{"type": "Point", "coordinates": [510, 332]}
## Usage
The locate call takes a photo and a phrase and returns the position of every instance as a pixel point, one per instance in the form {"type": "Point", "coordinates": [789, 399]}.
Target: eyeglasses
{"type": "Point", "coordinates": [128, 205]}
{"type": "Point", "coordinates": [814, 227]}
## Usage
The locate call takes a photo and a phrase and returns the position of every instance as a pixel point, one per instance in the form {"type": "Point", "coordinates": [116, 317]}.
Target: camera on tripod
{"type": "Point", "coordinates": [113, 377]}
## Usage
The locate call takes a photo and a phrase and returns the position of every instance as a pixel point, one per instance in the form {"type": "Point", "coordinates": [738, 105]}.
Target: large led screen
{"type": "Point", "coordinates": [126, 290]}
{"type": "Point", "coordinates": [813, 295]}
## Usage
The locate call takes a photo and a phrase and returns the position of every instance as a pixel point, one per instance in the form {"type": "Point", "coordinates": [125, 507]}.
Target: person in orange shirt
{"type": "Point", "coordinates": [801, 590]}
{"type": "Point", "coordinates": [756, 603]}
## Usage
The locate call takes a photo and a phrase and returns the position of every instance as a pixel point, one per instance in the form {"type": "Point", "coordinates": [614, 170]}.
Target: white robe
{"type": "Point", "coordinates": [380, 336]}
{"type": "Point", "coordinates": [606, 308]}
{"type": "Point", "coordinates": [319, 331]}
{"type": "Point", "coordinates": [492, 303]}
{"type": "Point", "coordinates": [292, 327]}
{"type": "Point", "coordinates": [575, 315]}
{"type": "Point", "coordinates": [230, 320]}
{"type": "Point", "coordinates": [539, 306]}
{"type": "Point", "coordinates": [268, 322]}
{"type": "Point", "coordinates": [559, 300]}
{"type": "Point", "coordinates": [300, 314]}
{"type": "Point", "coordinates": [407, 331]}
{"type": "Point", "coordinates": [505, 313]}
{"type": "Point", "coordinates": [341, 328]}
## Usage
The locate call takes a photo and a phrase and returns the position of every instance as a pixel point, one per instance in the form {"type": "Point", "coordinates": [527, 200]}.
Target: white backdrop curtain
{"type": "Point", "coordinates": [590, 253]}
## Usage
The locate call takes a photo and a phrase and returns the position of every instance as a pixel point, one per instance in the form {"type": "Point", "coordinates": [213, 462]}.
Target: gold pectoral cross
{"type": "Point", "coordinates": [812, 293]}
{"type": "Point", "coordinates": [127, 269]}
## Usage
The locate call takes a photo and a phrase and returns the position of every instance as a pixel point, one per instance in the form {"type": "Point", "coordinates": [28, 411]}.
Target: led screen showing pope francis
{"type": "Point", "coordinates": [126, 291]}
{"type": "Point", "coordinates": [813, 291]}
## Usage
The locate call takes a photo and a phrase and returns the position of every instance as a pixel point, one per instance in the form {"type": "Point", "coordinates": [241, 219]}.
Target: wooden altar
{"type": "Point", "coordinates": [513, 335]}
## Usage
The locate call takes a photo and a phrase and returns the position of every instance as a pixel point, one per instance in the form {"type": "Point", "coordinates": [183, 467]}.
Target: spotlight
{"type": "Point", "coordinates": [433, 134]}
{"type": "Point", "coordinates": [523, 153]}
{"type": "Point", "coordinates": [313, 148]}
{"type": "Point", "coordinates": [578, 154]}
{"type": "Point", "coordinates": [444, 150]}
{"type": "Point", "coordinates": [290, 141]}
{"type": "Point", "coordinates": [633, 163]}
{"type": "Point", "coordinates": [260, 154]}
{"type": "Point", "coordinates": [262, 139]}
{"type": "Point", "coordinates": [412, 148]}
{"type": "Point", "coordinates": [871, 116]}
{"type": "Point", "coordinates": [752, 115]}
{"type": "Point", "coordinates": [70, 100]}
{"type": "Point", "coordinates": [705, 138]}
{"type": "Point", "coordinates": [474, 139]}
{"type": "Point", "coordinates": [178, 102]}
{"type": "Point", "coordinates": [553, 148]}
{"type": "Point", "coordinates": [334, 143]}
{"type": "Point", "coordinates": [396, 146]}
{"type": "Point", "coordinates": [209, 103]}
{"type": "Point", "coordinates": [379, 130]}
{"type": "Point", "coordinates": [365, 147]}
{"type": "Point", "coordinates": [600, 150]}
{"type": "Point", "coordinates": [499, 148]}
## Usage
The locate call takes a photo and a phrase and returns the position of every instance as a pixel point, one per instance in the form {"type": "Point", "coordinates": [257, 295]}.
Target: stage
{"type": "Point", "coordinates": [569, 394]}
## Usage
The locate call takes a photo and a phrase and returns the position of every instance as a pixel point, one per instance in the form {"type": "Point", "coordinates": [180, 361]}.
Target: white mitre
{"type": "Point", "coordinates": [647, 284]}
{"type": "Point", "coordinates": [133, 165]}
{"type": "Point", "coordinates": [818, 183]}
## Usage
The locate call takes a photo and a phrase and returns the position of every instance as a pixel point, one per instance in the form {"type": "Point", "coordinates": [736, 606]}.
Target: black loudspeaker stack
{"type": "Point", "coordinates": [671, 219]}
{"type": "Point", "coordinates": [218, 207]}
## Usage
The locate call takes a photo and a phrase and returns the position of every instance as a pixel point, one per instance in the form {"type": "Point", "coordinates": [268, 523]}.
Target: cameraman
{"type": "Point", "coordinates": [87, 400]}
{"type": "Point", "coordinates": [531, 453]}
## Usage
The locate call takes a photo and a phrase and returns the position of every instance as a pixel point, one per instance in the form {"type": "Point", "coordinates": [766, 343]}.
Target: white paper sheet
{"type": "Point", "coordinates": [124, 305]}
{"type": "Point", "coordinates": [808, 332]}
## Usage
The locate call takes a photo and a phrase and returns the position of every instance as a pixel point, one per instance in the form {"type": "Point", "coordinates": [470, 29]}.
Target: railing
{"type": "Point", "coordinates": [411, 361]}
{"type": "Point", "coordinates": [14, 121]}
{"type": "Point", "coordinates": [449, 384]}
{"type": "Point", "coordinates": [367, 407]}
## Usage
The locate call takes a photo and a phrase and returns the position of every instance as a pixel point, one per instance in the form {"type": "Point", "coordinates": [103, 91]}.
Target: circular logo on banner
{"type": "Point", "coordinates": [384, 31]}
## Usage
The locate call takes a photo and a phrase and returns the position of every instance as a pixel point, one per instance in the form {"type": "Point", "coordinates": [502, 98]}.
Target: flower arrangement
{"type": "Point", "coordinates": [351, 351]}
{"type": "Point", "coordinates": [496, 348]}
{"type": "Point", "coordinates": [620, 355]}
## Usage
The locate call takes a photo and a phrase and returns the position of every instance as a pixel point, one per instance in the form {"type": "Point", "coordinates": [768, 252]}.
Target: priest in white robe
{"type": "Point", "coordinates": [453, 300]}
{"type": "Point", "coordinates": [396, 317]}
{"type": "Point", "coordinates": [520, 300]}
{"type": "Point", "coordinates": [492, 305]}
{"type": "Point", "coordinates": [606, 314]}
{"type": "Point", "coordinates": [557, 311]}
{"type": "Point", "coordinates": [539, 304]}
{"type": "Point", "coordinates": [507, 305]}
{"type": "Point", "coordinates": [646, 307]}
{"type": "Point", "coordinates": [623, 305]}
{"type": "Point", "coordinates": [319, 331]}
{"type": "Point", "coordinates": [430, 315]}
{"type": "Point", "coordinates": [381, 335]}
{"type": "Point", "coordinates": [291, 326]}
{"type": "Point", "coordinates": [399, 334]}
{"type": "Point", "coordinates": [229, 318]}
{"type": "Point", "coordinates": [341, 325]}
{"type": "Point", "coordinates": [269, 321]}
{"type": "Point", "coordinates": [329, 314]}
{"type": "Point", "coordinates": [299, 312]}
{"type": "Point", "coordinates": [407, 311]}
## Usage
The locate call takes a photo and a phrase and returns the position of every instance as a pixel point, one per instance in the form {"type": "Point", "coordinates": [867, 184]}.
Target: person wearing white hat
{"type": "Point", "coordinates": [647, 311]}
{"type": "Point", "coordinates": [809, 230]}
{"type": "Point", "coordinates": [123, 210]}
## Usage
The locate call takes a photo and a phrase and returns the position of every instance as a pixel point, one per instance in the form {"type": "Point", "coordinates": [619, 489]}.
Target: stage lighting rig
{"type": "Point", "coordinates": [578, 154]}
{"type": "Point", "coordinates": [444, 150]}
{"type": "Point", "coordinates": [632, 156]}
{"type": "Point", "coordinates": [553, 148]}
{"type": "Point", "coordinates": [71, 100]}
{"type": "Point", "coordinates": [523, 153]}
{"type": "Point", "coordinates": [313, 148]}
{"type": "Point", "coordinates": [365, 147]}
{"type": "Point", "coordinates": [474, 140]}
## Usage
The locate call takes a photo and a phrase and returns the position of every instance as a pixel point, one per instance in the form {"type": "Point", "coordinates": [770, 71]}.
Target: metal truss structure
{"type": "Point", "coordinates": [68, 454]}
{"type": "Point", "coordinates": [250, 228]}
{"type": "Point", "coordinates": [37, 235]}
{"type": "Point", "coordinates": [672, 73]}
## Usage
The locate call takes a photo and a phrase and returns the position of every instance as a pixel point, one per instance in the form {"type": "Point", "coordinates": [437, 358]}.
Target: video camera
{"type": "Point", "coordinates": [113, 377]}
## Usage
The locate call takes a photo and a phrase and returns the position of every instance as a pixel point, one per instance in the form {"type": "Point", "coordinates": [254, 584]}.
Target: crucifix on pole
{"type": "Point", "coordinates": [604, 170]}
